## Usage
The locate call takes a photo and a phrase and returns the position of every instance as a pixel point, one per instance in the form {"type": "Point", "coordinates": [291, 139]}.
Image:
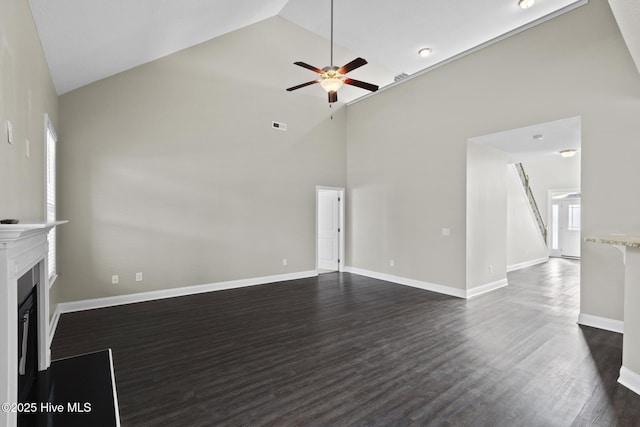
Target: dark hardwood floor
{"type": "Point", "coordinates": [343, 349]}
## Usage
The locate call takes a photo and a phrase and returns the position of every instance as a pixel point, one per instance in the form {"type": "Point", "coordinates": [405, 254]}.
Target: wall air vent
{"type": "Point", "coordinates": [400, 77]}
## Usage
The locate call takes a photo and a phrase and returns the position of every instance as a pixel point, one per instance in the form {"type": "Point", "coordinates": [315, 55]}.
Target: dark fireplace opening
{"type": "Point", "coordinates": [28, 336]}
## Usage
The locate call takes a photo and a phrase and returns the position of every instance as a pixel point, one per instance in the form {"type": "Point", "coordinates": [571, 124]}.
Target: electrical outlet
{"type": "Point", "coordinates": [446, 231]}
{"type": "Point", "coordinates": [115, 279]}
{"type": "Point", "coordinates": [490, 269]}
{"type": "Point", "coordinates": [138, 277]}
{"type": "Point", "coordinates": [284, 261]}
{"type": "Point", "coordinates": [392, 263]}
{"type": "Point", "coordinates": [27, 149]}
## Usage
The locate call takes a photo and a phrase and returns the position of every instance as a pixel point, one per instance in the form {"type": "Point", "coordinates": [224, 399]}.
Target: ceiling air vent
{"type": "Point", "coordinates": [400, 77]}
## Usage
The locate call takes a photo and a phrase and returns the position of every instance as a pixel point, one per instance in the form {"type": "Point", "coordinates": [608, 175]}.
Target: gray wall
{"type": "Point", "coordinates": [407, 148]}
{"type": "Point", "coordinates": [172, 168]}
{"type": "Point", "coordinates": [551, 173]}
{"type": "Point", "coordinates": [26, 94]}
{"type": "Point", "coordinates": [486, 215]}
{"type": "Point", "coordinates": [524, 240]}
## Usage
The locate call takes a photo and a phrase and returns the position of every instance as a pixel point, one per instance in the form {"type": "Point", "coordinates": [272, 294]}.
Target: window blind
{"type": "Point", "coordinates": [51, 195]}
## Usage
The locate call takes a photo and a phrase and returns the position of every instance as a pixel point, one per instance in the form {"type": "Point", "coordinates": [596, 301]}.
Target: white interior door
{"type": "Point", "coordinates": [328, 229]}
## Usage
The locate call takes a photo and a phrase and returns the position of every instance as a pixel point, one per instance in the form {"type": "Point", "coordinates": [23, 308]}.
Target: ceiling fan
{"type": "Point", "coordinates": [331, 77]}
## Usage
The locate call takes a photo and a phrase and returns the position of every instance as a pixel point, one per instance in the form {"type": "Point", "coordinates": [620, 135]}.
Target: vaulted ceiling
{"type": "Point", "coordinates": [85, 41]}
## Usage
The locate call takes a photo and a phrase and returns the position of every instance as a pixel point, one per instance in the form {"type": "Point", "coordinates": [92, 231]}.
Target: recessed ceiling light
{"type": "Point", "coordinates": [568, 153]}
{"type": "Point", "coordinates": [424, 52]}
{"type": "Point", "coordinates": [526, 4]}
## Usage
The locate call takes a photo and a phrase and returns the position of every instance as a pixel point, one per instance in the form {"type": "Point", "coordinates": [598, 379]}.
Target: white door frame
{"type": "Point", "coordinates": [341, 192]}
{"type": "Point", "coordinates": [550, 194]}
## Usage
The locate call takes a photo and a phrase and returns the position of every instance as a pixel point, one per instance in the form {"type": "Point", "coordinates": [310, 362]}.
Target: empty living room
{"type": "Point", "coordinates": [328, 213]}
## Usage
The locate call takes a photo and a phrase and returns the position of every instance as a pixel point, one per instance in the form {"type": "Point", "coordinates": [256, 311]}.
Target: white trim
{"type": "Point", "coordinates": [601, 323]}
{"type": "Point", "coordinates": [629, 379]}
{"type": "Point", "coordinates": [52, 280]}
{"type": "Point", "coordinates": [90, 304]}
{"type": "Point", "coordinates": [550, 192]}
{"type": "Point", "coordinates": [54, 323]}
{"type": "Point", "coordinates": [488, 43]}
{"type": "Point", "coordinates": [441, 289]}
{"type": "Point", "coordinates": [342, 234]}
{"type": "Point", "coordinates": [483, 289]}
{"type": "Point", "coordinates": [50, 155]}
{"type": "Point", "coordinates": [526, 264]}
{"type": "Point", "coordinates": [113, 385]}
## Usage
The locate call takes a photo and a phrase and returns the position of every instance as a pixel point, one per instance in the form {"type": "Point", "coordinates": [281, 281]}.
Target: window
{"type": "Point", "coordinates": [51, 194]}
{"type": "Point", "coordinates": [555, 212]}
{"type": "Point", "coordinates": [574, 218]}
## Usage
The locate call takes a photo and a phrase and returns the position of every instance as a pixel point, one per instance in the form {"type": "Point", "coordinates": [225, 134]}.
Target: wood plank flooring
{"type": "Point", "coordinates": [343, 350]}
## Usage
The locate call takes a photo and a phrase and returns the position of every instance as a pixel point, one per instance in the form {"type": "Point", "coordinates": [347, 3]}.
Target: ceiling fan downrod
{"type": "Point", "coordinates": [331, 78]}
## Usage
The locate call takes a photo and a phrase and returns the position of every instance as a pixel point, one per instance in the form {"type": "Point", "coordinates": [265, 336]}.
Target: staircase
{"type": "Point", "coordinates": [532, 200]}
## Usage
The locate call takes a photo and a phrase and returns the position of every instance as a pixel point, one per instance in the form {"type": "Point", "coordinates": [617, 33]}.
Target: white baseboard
{"type": "Point", "coordinates": [447, 290]}
{"type": "Point", "coordinates": [483, 289]}
{"type": "Point", "coordinates": [629, 379]}
{"type": "Point", "coordinates": [90, 304]}
{"type": "Point", "coordinates": [601, 323]}
{"type": "Point", "coordinates": [525, 264]}
{"type": "Point", "coordinates": [441, 289]}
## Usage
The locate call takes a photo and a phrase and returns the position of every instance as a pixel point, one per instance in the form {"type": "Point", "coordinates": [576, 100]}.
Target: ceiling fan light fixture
{"type": "Point", "coordinates": [526, 4]}
{"type": "Point", "coordinates": [331, 84]}
{"type": "Point", "coordinates": [424, 52]}
{"type": "Point", "coordinates": [331, 77]}
{"type": "Point", "coordinates": [568, 153]}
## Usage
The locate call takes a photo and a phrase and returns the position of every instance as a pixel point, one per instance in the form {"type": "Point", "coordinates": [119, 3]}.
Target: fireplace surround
{"type": "Point", "coordinates": [23, 249]}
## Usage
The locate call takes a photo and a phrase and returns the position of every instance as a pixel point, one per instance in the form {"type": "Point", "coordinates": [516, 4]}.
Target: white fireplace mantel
{"type": "Point", "coordinates": [22, 247]}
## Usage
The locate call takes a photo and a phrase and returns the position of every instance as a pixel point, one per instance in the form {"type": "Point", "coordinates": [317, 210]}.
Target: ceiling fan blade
{"type": "Point", "coordinates": [309, 67]}
{"type": "Point", "coordinates": [303, 85]}
{"type": "Point", "coordinates": [356, 63]}
{"type": "Point", "coordinates": [333, 97]}
{"type": "Point", "coordinates": [363, 85]}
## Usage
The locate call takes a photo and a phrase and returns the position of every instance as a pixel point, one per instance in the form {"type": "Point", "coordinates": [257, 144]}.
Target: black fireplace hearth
{"type": "Point", "coordinates": [27, 337]}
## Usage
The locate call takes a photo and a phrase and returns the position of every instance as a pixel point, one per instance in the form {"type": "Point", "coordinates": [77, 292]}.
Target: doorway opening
{"type": "Point", "coordinates": [564, 223]}
{"type": "Point", "coordinates": [329, 229]}
{"type": "Point", "coordinates": [549, 157]}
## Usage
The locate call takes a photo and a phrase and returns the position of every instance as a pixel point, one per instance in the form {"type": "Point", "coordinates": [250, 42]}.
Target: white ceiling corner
{"type": "Point", "coordinates": [85, 41]}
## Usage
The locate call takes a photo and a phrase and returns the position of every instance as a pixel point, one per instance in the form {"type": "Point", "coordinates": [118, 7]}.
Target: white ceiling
{"type": "Point", "coordinates": [521, 146]}
{"type": "Point", "coordinates": [85, 41]}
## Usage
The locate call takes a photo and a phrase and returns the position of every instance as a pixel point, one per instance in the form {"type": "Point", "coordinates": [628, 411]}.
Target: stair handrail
{"type": "Point", "coordinates": [532, 200]}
